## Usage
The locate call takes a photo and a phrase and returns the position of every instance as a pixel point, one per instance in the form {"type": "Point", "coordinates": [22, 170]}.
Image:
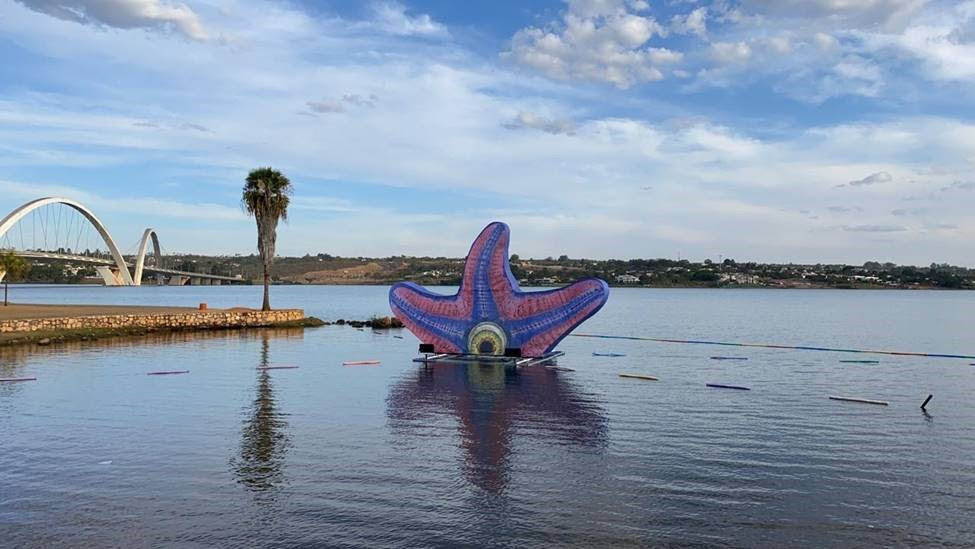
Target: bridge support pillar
{"type": "Point", "coordinates": [215, 282]}
{"type": "Point", "coordinates": [110, 275]}
{"type": "Point", "coordinates": [194, 281]}
{"type": "Point", "coordinates": [178, 280]}
{"type": "Point", "coordinates": [160, 280]}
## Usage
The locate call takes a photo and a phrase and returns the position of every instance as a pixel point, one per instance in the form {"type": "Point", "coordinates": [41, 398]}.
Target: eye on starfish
{"type": "Point", "coordinates": [490, 313]}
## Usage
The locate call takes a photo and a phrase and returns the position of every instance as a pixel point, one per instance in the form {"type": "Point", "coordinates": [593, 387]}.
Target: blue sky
{"type": "Point", "coordinates": [767, 130]}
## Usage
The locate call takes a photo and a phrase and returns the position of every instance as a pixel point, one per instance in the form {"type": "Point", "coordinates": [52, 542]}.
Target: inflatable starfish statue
{"type": "Point", "coordinates": [489, 314]}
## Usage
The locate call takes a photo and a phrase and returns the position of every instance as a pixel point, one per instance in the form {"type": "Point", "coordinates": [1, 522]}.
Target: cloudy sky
{"type": "Point", "coordinates": [767, 130]}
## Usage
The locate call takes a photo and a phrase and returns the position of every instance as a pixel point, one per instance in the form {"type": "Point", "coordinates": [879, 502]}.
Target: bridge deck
{"type": "Point", "coordinates": [103, 261]}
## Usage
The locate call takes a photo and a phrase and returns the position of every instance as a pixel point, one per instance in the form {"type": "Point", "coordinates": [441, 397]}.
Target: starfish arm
{"type": "Point", "coordinates": [486, 271]}
{"type": "Point", "coordinates": [542, 321]}
{"type": "Point", "coordinates": [433, 318]}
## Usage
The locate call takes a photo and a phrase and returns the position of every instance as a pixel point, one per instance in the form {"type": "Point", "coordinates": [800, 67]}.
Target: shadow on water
{"type": "Point", "coordinates": [264, 439]}
{"type": "Point", "coordinates": [494, 405]}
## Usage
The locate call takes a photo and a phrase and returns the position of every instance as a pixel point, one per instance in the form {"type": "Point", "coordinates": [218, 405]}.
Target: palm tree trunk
{"type": "Point", "coordinates": [267, 295]}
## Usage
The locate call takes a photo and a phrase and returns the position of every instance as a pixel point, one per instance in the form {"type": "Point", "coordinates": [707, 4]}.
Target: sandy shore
{"type": "Point", "coordinates": [16, 311]}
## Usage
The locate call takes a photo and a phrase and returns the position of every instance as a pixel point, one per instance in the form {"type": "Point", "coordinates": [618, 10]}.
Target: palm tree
{"type": "Point", "coordinates": [11, 266]}
{"type": "Point", "coordinates": [266, 197]}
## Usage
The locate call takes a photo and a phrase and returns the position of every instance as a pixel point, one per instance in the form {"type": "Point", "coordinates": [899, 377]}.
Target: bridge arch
{"type": "Point", "coordinates": [140, 257]}
{"type": "Point", "coordinates": [21, 212]}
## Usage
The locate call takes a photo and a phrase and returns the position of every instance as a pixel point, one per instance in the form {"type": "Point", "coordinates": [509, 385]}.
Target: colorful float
{"type": "Point", "coordinates": [490, 318]}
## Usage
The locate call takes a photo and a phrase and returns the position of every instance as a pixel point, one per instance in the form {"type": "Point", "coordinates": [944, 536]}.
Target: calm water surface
{"type": "Point", "coordinates": [96, 453]}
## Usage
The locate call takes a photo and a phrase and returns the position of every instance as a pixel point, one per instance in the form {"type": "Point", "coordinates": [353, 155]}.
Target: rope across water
{"type": "Point", "coordinates": [774, 346]}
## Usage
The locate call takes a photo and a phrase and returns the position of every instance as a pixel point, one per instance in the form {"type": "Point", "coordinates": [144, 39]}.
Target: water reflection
{"type": "Point", "coordinates": [18, 360]}
{"type": "Point", "coordinates": [264, 438]}
{"type": "Point", "coordinates": [14, 354]}
{"type": "Point", "coordinates": [494, 404]}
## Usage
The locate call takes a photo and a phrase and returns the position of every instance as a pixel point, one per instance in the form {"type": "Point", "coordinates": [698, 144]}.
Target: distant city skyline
{"type": "Point", "coordinates": [804, 131]}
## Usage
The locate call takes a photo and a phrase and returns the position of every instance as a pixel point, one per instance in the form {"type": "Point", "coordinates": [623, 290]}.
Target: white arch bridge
{"type": "Point", "coordinates": [115, 270]}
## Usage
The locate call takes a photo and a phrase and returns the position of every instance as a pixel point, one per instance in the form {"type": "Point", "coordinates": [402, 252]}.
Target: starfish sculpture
{"type": "Point", "coordinates": [490, 314]}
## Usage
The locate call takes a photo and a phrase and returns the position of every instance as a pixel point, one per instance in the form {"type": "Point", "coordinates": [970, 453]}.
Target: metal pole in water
{"type": "Point", "coordinates": [926, 401]}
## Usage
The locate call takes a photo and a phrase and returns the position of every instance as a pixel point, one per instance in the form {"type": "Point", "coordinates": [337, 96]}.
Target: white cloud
{"type": "Point", "coordinates": [855, 67]}
{"type": "Point", "coordinates": [601, 40]}
{"type": "Point", "coordinates": [874, 228]}
{"type": "Point", "coordinates": [436, 126]}
{"type": "Point", "coordinates": [324, 107]}
{"type": "Point", "coordinates": [863, 14]}
{"type": "Point", "coordinates": [811, 50]}
{"type": "Point", "coordinates": [694, 22]}
{"type": "Point", "coordinates": [779, 45]}
{"type": "Point", "coordinates": [730, 52]}
{"type": "Point", "coordinates": [548, 125]}
{"type": "Point", "coordinates": [872, 179]}
{"type": "Point", "coordinates": [359, 100]}
{"type": "Point", "coordinates": [826, 42]}
{"type": "Point", "coordinates": [155, 208]}
{"type": "Point", "coordinates": [815, 50]}
{"type": "Point", "coordinates": [352, 100]}
{"type": "Point", "coordinates": [392, 17]}
{"type": "Point", "coordinates": [125, 14]}
{"type": "Point", "coordinates": [946, 52]}
{"type": "Point", "coordinates": [323, 204]}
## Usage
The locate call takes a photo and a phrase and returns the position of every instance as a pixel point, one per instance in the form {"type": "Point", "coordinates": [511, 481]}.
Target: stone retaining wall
{"type": "Point", "coordinates": [202, 319]}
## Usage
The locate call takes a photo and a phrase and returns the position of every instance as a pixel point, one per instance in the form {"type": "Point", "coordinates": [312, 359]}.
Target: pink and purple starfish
{"type": "Point", "coordinates": [490, 315]}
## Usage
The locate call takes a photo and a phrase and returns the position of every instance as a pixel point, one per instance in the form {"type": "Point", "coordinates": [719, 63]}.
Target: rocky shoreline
{"type": "Point", "coordinates": [376, 323]}
{"type": "Point", "coordinates": [47, 337]}
{"type": "Point", "coordinates": [48, 325]}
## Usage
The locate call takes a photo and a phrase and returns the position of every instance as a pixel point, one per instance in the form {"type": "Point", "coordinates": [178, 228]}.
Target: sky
{"type": "Point", "coordinates": [761, 130]}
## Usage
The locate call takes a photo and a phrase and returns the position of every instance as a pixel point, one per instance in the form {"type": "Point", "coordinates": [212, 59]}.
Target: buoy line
{"type": "Point", "coordinates": [774, 346]}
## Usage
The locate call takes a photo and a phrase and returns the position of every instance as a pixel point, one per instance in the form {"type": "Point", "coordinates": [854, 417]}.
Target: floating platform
{"type": "Point", "coordinates": [723, 386]}
{"type": "Point", "coordinates": [470, 358]}
{"type": "Point", "coordinates": [640, 376]}
{"type": "Point", "coordinates": [16, 379]}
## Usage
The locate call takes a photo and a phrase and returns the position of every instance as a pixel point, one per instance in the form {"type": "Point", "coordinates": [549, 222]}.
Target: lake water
{"type": "Point", "coordinates": [96, 453]}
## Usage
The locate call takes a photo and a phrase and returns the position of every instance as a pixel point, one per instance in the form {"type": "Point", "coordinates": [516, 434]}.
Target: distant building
{"type": "Point", "coordinates": [627, 279]}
